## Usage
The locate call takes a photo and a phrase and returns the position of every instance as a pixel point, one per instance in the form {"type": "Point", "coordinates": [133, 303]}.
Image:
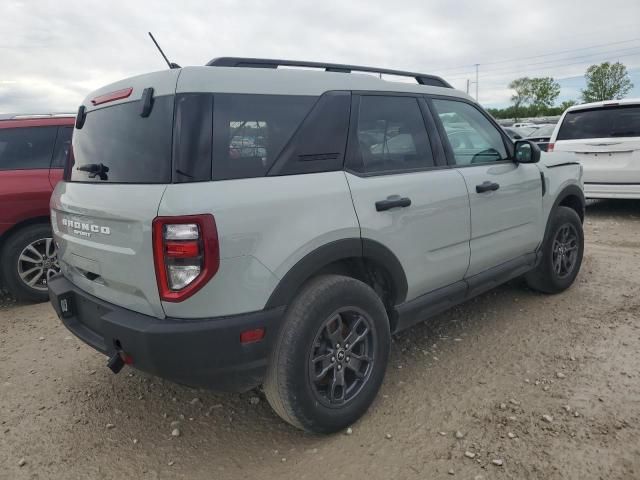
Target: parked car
{"type": "Point", "coordinates": [523, 124]}
{"type": "Point", "coordinates": [513, 133]}
{"type": "Point", "coordinates": [605, 138]}
{"type": "Point", "coordinates": [33, 150]}
{"type": "Point", "coordinates": [290, 267]}
{"type": "Point", "coordinates": [541, 136]}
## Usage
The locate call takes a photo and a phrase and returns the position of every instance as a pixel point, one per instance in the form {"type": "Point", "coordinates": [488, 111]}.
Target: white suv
{"type": "Point", "coordinates": [605, 138]}
{"type": "Point", "coordinates": [238, 224]}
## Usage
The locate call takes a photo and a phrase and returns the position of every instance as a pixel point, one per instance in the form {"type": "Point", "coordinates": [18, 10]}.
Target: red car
{"type": "Point", "coordinates": [33, 151]}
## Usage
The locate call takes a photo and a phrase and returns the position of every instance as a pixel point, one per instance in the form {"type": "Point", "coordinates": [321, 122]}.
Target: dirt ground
{"type": "Point", "coordinates": [548, 387]}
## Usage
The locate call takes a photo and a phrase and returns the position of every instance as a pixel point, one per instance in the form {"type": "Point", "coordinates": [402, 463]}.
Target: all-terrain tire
{"type": "Point", "coordinates": [546, 277]}
{"type": "Point", "coordinates": [291, 385]}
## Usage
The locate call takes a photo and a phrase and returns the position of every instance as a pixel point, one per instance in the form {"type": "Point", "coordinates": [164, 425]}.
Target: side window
{"type": "Point", "coordinates": [250, 131]}
{"type": "Point", "coordinates": [26, 148]}
{"type": "Point", "coordinates": [473, 138]}
{"type": "Point", "coordinates": [63, 144]}
{"type": "Point", "coordinates": [391, 136]}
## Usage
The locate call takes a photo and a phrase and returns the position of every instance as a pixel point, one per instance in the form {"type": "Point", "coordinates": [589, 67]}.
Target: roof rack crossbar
{"type": "Point", "coordinates": [421, 78]}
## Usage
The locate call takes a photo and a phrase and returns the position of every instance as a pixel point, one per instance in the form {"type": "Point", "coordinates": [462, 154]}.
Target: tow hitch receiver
{"type": "Point", "coordinates": [115, 363]}
{"type": "Point", "coordinates": [119, 360]}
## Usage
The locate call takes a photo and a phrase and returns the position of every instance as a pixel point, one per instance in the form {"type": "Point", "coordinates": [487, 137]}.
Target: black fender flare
{"type": "Point", "coordinates": [569, 190]}
{"type": "Point", "coordinates": [332, 252]}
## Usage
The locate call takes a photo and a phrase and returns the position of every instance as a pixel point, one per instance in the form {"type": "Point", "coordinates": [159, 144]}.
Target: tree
{"type": "Point", "coordinates": [606, 81]}
{"type": "Point", "coordinates": [522, 87]}
{"type": "Point", "coordinates": [544, 92]}
{"type": "Point", "coordinates": [567, 103]}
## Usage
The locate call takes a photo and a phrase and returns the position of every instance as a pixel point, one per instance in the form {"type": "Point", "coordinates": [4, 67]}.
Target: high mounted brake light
{"type": "Point", "coordinates": [112, 96]}
{"type": "Point", "coordinates": [186, 254]}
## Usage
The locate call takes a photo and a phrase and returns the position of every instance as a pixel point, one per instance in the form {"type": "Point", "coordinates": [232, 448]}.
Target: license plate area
{"type": "Point", "coordinates": [66, 304]}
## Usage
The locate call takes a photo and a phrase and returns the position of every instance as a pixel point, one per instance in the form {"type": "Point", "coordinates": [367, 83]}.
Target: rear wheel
{"type": "Point", "coordinates": [29, 259]}
{"type": "Point", "coordinates": [561, 253]}
{"type": "Point", "coordinates": [331, 355]}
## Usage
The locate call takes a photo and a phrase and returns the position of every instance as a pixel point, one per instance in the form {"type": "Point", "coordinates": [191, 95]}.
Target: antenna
{"type": "Point", "coordinates": [171, 64]}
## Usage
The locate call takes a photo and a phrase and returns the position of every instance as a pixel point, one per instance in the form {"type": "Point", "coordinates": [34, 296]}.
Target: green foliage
{"type": "Point", "coordinates": [544, 92]}
{"type": "Point", "coordinates": [606, 81]}
{"type": "Point", "coordinates": [526, 111]}
{"type": "Point", "coordinates": [533, 95]}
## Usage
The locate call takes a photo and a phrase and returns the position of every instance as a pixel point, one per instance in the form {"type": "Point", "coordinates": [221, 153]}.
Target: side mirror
{"type": "Point", "coordinates": [526, 152]}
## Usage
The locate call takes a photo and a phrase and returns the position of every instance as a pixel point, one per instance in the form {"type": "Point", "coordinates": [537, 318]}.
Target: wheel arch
{"type": "Point", "coordinates": [570, 196]}
{"type": "Point", "coordinates": [363, 259]}
{"type": "Point", "coordinates": [19, 226]}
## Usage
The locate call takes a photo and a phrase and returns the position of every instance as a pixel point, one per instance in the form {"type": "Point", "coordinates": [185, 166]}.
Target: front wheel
{"type": "Point", "coordinates": [331, 355]}
{"type": "Point", "coordinates": [562, 252]}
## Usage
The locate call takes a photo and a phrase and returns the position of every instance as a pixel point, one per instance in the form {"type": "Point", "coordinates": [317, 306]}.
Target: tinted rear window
{"type": "Point", "coordinates": [250, 131]}
{"type": "Point", "coordinates": [623, 121]}
{"type": "Point", "coordinates": [26, 148]}
{"type": "Point", "coordinates": [135, 149]}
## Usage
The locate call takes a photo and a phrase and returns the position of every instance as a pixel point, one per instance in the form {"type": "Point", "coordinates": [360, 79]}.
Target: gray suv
{"type": "Point", "coordinates": [240, 224]}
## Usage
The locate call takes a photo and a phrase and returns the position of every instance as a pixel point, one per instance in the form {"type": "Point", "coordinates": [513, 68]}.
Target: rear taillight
{"type": "Point", "coordinates": [186, 254]}
{"type": "Point", "coordinates": [550, 147]}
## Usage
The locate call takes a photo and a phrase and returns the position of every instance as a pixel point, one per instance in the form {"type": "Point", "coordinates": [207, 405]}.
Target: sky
{"type": "Point", "coordinates": [53, 53]}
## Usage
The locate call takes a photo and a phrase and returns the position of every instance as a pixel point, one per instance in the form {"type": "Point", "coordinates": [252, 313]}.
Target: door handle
{"type": "Point", "coordinates": [487, 187]}
{"type": "Point", "coordinates": [392, 201]}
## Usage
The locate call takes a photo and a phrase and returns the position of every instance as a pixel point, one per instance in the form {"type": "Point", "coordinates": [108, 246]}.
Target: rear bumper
{"type": "Point", "coordinates": [204, 352]}
{"type": "Point", "coordinates": [612, 190]}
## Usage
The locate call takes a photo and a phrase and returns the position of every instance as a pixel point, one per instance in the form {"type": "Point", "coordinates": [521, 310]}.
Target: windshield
{"type": "Point", "coordinates": [543, 131]}
{"type": "Point", "coordinates": [618, 121]}
{"type": "Point", "coordinates": [117, 145]}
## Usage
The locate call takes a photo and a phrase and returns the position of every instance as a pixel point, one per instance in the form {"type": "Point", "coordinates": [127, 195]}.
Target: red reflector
{"type": "Point", "coordinates": [182, 249]}
{"type": "Point", "coordinates": [126, 358]}
{"type": "Point", "coordinates": [250, 336]}
{"type": "Point", "coordinates": [111, 96]}
{"type": "Point", "coordinates": [550, 147]}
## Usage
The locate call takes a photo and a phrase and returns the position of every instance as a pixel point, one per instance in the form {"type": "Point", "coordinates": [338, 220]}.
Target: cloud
{"type": "Point", "coordinates": [53, 53]}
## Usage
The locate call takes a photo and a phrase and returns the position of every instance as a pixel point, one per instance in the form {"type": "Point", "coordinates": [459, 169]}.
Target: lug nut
{"type": "Point", "coordinates": [333, 359]}
{"type": "Point", "coordinates": [337, 345]}
{"type": "Point", "coordinates": [346, 346]}
{"type": "Point", "coordinates": [348, 359]}
{"type": "Point", "coordinates": [339, 367]}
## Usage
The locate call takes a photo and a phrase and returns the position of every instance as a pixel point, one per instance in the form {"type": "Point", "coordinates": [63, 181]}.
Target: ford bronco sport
{"type": "Point", "coordinates": [239, 224]}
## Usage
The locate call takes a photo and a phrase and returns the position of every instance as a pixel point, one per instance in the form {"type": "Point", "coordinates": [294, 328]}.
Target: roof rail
{"type": "Point", "coordinates": [421, 78]}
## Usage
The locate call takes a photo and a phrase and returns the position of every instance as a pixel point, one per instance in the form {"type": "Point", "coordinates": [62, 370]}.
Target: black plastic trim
{"type": "Point", "coordinates": [502, 273]}
{"type": "Point", "coordinates": [421, 308]}
{"type": "Point", "coordinates": [81, 116]}
{"type": "Point", "coordinates": [147, 102]}
{"type": "Point", "coordinates": [565, 164]}
{"type": "Point", "coordinates": [569, 190]}
{"type": "Point", "coordinates": [432, 303]}
{"type": "Point", "coordinates": [421, 78]}
{"type": "Point", "coordinates": [202, 352]}
{"type": "Point", "coordinates": [332, 252]}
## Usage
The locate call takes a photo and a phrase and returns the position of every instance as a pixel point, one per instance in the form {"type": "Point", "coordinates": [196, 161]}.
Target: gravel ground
{"type": "Point", "coordinates": [512, 384]}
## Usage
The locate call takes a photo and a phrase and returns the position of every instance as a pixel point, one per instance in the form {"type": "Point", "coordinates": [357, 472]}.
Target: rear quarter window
{"type": "Point", "coordinates": [250, 131]}
{"type": "Point", "coordinates": [26, 148]}
{"type": "Point", "coordinates": [610, 122]}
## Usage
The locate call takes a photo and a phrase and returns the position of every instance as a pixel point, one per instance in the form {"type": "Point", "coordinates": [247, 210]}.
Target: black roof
{"type": "Point", "coordinates": [421, 78]}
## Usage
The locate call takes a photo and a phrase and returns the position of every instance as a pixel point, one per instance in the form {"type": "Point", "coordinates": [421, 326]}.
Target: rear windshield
{"type": "Point", "coordinates": [210, 137]}
{"type": "Point", "coordinates": [117, 145]}
{"type": "Point", "coordinates": [619, 121]}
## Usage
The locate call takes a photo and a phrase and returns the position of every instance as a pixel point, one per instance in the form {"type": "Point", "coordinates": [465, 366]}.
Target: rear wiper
{"type": "Point", "coordinates": [94, 170]}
